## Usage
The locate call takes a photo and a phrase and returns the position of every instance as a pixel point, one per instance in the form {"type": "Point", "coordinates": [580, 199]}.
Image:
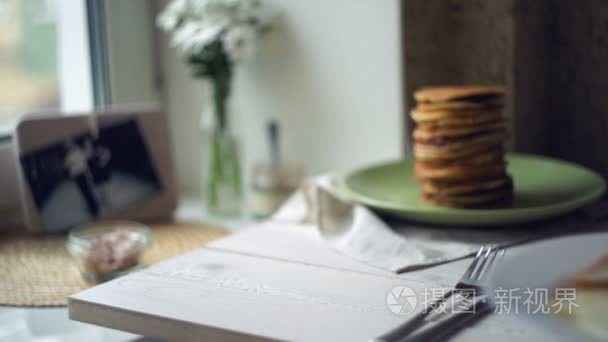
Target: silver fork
{"type": "Point", "coordinates": [471, 281]}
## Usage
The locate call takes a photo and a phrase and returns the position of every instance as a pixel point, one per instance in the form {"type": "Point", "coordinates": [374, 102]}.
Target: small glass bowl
{"type": "Point", "coordinates": [108, 249]}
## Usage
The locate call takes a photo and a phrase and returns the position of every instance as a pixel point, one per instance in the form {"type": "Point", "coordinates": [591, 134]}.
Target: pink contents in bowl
{"type": "Point", "coordinates": [105, 250]}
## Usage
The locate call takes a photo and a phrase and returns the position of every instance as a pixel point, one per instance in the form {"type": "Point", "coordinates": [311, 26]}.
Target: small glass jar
{"type": "Point", "coordinates": [108, 249]}
{"type": "Point", "coordinates": [272, 184]}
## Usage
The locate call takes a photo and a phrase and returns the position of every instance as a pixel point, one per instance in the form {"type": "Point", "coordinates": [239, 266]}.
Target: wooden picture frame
{"type": "Point", "coordinates": [142, 188]}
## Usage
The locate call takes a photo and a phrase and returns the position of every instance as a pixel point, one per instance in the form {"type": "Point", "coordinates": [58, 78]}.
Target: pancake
{"type": "Point", "coordinates": [593, 277]}
{"type": "Point", "coordinates": [480, 199]}
{"type": "Point", "coordinates": [433, 187]}
{"type": "Point", "coordinates": [424, 133]}
{"type": "Point", "coordinates": [456, 142]}
{"type": "Point", "coordinates": [591, 286]}
{"type": "Point", "coordinates": [471, 116]}
{"type": "Point", "coordinates": [459, 146]}
{"type": "Point", "coordinates": [426, 154]}
{"type": "Point", "coordinates": [491, 155]}
{"type": "Point", "coordinates": [459, 172]}
{"type": "Point", "coordinates": [491, 104]}
{"type": "Point", "coordinates": [461, 121]}
{"type": "Point", "coordinates": [454, 93]}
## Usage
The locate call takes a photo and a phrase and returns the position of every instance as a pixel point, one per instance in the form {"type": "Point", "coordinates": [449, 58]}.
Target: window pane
{"type": "Point", "coordinates": [28, 57]}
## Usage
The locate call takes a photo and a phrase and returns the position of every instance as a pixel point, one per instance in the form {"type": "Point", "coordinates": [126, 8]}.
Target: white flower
{"type": "Point", "coordinates": [239, 42]}
{"type": "Point", "coordinates": [194, 36]}
{"type": "Point", "coordinates": [198, 23]}
{"type": "Point", "coordinates": [172, 14]}
{"type": "Point", "coordinates": [218, 12]}
{"type": "Point", "coordinates": [183, 36]}
{"type": "Point", "coordinates": [205, 36]}
{"type": "Point", "coordinates": [252, 11]}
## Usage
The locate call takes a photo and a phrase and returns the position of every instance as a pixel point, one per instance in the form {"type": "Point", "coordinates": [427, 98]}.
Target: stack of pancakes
{"type": "Point", "coordinates": [458, 146]}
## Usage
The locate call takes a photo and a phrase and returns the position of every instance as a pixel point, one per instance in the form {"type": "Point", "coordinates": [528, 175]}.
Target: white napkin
{"type": "Point", "coordinates": [398, 245]}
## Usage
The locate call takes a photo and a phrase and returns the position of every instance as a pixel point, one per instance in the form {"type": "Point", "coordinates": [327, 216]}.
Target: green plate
{"type": "Point", "coordinates": [544, 188]}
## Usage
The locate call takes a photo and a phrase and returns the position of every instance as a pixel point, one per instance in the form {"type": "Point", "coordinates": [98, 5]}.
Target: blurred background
{"type": "Point", "coordinates": [28, 43]}
{"type": "Point", "coordinates": [337, 75]}
{"type": "Point", "coordinates": [334, 87]}
{"type": "Point", "coordinates": [331, 84]}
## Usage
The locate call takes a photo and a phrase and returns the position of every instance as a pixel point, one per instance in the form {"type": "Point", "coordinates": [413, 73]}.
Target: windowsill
{"type": "Point", "coordinates": [192, 209]}
{"type": "Point", "coordinates": [7, 128]}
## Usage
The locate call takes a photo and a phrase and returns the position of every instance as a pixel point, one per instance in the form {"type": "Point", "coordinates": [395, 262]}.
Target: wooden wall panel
{"type": "Point", "coordinates": [529, 90]}
{"type": "Point", "coordinates": [576, 106]}
{"type": "Point", "coordinates": [456, 42]}
{"type": "Point", "coordinates": [552, 56]}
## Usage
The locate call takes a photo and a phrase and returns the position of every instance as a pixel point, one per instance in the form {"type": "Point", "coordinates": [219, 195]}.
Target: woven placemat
{"type": "Point", "coordinates": [38, 271]}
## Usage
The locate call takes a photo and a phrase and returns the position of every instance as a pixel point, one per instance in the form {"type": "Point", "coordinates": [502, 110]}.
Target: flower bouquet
{"type": "Point", "coordinates": [214, 36]}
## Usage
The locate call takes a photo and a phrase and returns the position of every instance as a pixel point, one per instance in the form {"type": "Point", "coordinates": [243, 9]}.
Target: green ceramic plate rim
{"type": "Point", "coordinates": [534, 213]}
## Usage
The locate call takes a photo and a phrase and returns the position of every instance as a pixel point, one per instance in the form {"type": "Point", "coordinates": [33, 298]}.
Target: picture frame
{"type": "Point", "coordinates": [75, 169]}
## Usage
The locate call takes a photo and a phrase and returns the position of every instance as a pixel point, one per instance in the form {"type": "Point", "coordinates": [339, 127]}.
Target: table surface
{"type": "Point", "coordinates": [52, 324]}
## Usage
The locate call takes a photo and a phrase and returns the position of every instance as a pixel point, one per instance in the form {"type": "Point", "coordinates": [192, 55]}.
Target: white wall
{"type": "Point", "coordinates": [331, 74]}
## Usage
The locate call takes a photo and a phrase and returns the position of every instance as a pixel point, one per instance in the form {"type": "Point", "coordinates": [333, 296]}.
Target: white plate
{"type": "Point", "coordinates": [545, 265]}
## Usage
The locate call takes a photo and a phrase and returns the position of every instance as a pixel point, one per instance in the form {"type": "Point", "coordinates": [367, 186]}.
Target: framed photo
{"type": "Point", "coordinates": [79, 169]}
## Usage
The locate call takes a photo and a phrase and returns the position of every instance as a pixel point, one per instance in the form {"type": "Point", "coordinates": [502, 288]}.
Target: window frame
{"type": "Point", "coordinates": [92, 60]}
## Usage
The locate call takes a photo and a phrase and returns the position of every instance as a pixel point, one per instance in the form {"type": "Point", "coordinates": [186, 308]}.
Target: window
{"type": "Point", "coordinates": [72, 55]}
{"type": "Point", "coordinates": [28, 57]}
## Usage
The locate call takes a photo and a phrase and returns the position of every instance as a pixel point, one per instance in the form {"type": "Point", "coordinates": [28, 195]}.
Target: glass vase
{"type": "Point", "coordinates": [222, 183]}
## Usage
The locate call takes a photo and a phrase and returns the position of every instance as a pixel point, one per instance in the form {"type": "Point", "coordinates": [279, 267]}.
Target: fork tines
{"type": "Point", "coordinates": [483, 262]}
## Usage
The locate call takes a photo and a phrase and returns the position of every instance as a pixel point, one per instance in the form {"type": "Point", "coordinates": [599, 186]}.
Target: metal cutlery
{"type": "Point", "coordinates": [470, 283]}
